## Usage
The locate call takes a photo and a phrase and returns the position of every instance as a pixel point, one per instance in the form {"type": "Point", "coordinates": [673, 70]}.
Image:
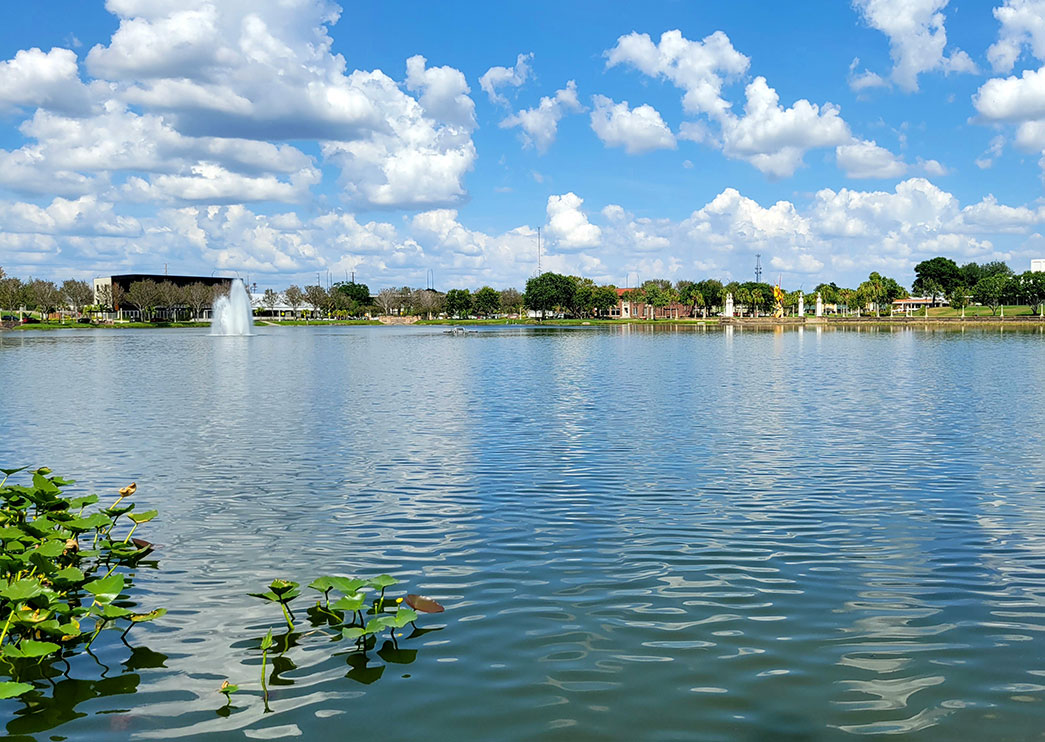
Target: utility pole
{"type": "Point", "coordinates": [758, 267]}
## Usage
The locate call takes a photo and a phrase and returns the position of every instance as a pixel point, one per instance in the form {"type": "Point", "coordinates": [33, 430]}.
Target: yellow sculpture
{"type": "Point", "coordinates": [778, 296]}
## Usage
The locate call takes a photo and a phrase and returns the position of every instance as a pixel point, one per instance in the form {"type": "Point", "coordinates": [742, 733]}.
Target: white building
{"type": "Point", "coordinates": [1038, 265]}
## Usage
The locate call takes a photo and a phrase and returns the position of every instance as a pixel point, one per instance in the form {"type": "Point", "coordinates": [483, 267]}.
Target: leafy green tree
{"type": "Point", "coordinates": [10, 292]}
{"type": "Point", "coordinates": [604, 299]}
{"type": "Point", "coordinates": [958, 298]}
{"type": "Point", "coordinates": [933, 288]}
{"type": "Point", "coordinates": [357, 292]}
{"type": "Point", "coordinates": [971, 273]}
{"type": "Point", "coordinates": [743, 296]}
{"type": "Point", "coordinates": [458, 303]}
{"type": "Point", "coordinates": [991, 290]}
{"type": "Point", "coordinates": [1030, 288]}
{"type": "Point", "coordinates": [549, 291]}
{"type": "Point", "coordinates": [996, 268]}
{"type": "Point", "coordinates": [944, 272]}
{"type": "Point", "coordinates": [583, 296]}
{"type": "Point", "coordinates": [712, 294]}
{"type": "Point", "coordinates": [829, 293]}
{"type": "Point", "coordinates": [511, 301]}
{"type": "Point", "coordinates": [486, 301]}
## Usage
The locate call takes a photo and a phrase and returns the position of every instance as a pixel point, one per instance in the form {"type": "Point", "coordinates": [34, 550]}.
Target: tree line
{"type": "Point", "coordinates": [991, 284]}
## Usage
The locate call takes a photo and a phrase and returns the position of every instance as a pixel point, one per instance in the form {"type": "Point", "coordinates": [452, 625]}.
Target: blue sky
{"type": "Point", "coordinates": [278, 139]}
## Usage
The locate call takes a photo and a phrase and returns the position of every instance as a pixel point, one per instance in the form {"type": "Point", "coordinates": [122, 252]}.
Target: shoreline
{"type": "Point", "coordinates": [765, 322]}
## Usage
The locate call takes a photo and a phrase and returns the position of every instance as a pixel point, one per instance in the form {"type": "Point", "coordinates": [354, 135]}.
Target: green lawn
{"type": "Point", "coordinates": [1010, 311]}
{"type": "Point", "coordinates": [564, 322]}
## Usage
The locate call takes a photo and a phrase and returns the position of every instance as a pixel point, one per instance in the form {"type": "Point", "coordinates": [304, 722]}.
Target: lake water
{"type": "Point", "coordinates": [638, 533]}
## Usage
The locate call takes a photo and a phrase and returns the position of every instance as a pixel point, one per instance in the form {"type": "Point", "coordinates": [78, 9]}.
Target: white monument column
{"type": "Point", "coordinates": [729, 306]}
{"type": "Point", "coordinates": [819, 305]}
{"type": "Point", "coordinates": [801, 305]}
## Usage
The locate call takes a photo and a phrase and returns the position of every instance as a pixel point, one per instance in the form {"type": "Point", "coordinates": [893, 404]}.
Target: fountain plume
{"type": "Point", "coordinates": [232, 313]}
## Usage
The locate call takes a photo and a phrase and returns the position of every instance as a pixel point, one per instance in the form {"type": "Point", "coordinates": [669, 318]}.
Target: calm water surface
{"type": "Point", "coordinates": [676, 534]}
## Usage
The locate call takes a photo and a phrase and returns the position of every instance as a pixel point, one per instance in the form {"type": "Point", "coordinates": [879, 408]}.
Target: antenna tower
{"type": "Point", "coordinates": [538, 251]}
{"type": "Point", "coordinates": [758, 267]}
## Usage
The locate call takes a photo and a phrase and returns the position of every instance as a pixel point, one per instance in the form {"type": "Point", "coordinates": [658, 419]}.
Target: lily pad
{"type": "Point", "coordinates": [143, 517]}
{"type": "Point", "coordinates": [9, 689]}
{"type": "Point", "coordinates": [20, 590]}
{"type": "Point", "coordinates": [29, 649]}
{"type": "Point", "coordinates": [349, 602]}
{"type": "Point", "coordinates": [424, 604]}
{"type": "Point", "coordinates": [150, 616]}
{"type": "Point", "coordinates": [382, 581]}
{"type": "Point", "coordinates": [107, 589]}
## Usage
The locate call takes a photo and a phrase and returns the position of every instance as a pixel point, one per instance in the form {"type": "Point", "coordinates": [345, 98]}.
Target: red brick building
{"type": "Point", "coordinates": [640, 310]}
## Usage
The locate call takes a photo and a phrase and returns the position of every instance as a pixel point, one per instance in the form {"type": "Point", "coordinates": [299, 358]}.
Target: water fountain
{"type": "Point", "coordinates": [232, 314]}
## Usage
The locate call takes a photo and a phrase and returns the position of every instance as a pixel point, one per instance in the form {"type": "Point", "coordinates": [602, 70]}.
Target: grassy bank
{"type": "Point", "coordinates": [317, 323]}
{"type": "Point", "coordinates": [566, 322]}
{"type": "Point", "coordinates": [117, 326]}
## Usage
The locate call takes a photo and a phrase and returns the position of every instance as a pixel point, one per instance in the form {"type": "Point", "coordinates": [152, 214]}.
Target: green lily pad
{"type": "Point", "coordinates": [354, 632]}
{"type": "Point", "coordinates": [69, 574]}
{"type": "Point", "coordinates": [382, 581]}
{"type": "Point", "coordinates": [143, 517]}
{"type": "Point", "coordinates": [402, 617]}
{"type": "Point", "coordinates": [90, 523]}
{"type": "Point", "coordinates": [80, 502]}
{"type": "Point", "coordinates": [22, 590]}
{"type": "Point", "coordinates": [29, 649]}
{"type": "Point", "coordinates": [51, 549]}
{"type": "Point", "coordinates": [150, 616]}
{"type": "Point", "coordinates": [9, 472]}
{"type": "Point", "coordinates": [107, 589]}
{"type": "Point", "coordinates": [265, 596]}
{"type": "Point", "coordinates": [113, 612]}
{"type": "Point", "coordinates": [347, 585]}
{"type": "Point", "coordinates": [9, 689]}
{"type": "Point", "coordinates": [283, 589]}
{"type": "Point", "coordinates": [349, 602]}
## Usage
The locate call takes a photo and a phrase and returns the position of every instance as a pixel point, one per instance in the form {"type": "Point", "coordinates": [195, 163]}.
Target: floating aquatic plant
{"type": "Point", "coordinates": [349, 609]}
{"type": "Point", "coordinates": [59, 573]}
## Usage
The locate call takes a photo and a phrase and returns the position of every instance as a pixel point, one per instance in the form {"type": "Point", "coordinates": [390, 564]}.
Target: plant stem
{"type": "Point", "coordinates": [264, 687]}
{"type": "Point", "coordinates": [130, 534]}
{"type": "Point", "coordinates": [7, 625]}
{"type": "Point", "coordinates": [286, 616]}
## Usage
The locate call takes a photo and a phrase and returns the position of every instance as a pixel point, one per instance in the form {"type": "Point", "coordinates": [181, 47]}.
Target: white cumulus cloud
{"type": "Point", "coordinates": [637, 130]}
{"type": "Point", "coordinates": [568, 225]}
{"type": "Point", "coordinates": [865, 159]}
{"type": "Point", "coordinates": [1022, 24]}
{"type": "Point", "coordinates": [540, 124]}
{"type": "Point", "coordinates": [917, 38]}
{"type": "Point", "coordinates": [498, 77]}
